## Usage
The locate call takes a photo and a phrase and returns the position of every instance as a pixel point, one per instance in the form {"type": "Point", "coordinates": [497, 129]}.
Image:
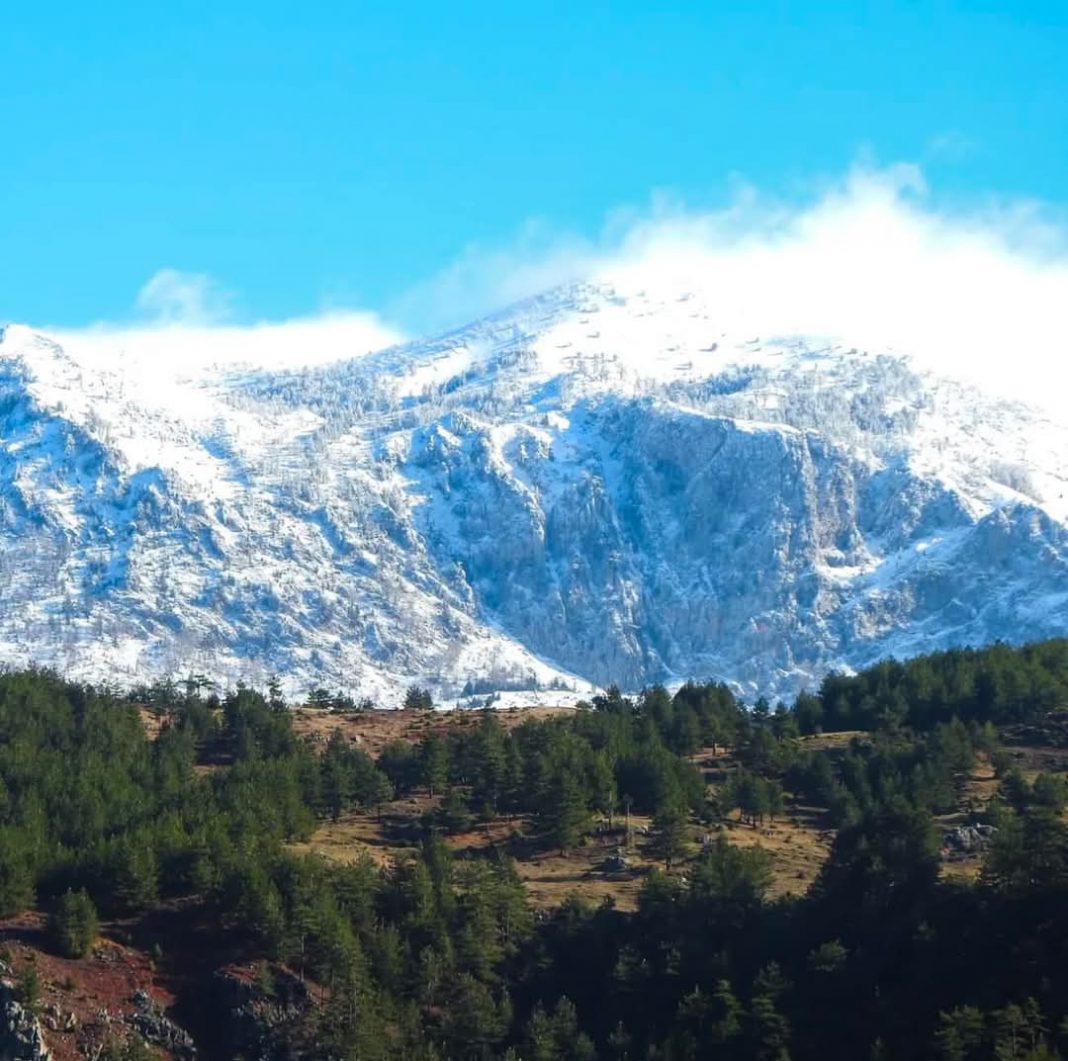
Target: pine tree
{"type": "Point", "coordinates": [16, 880]}
{"type": "Point", "coordinates": [603, 785]}
{"type": "Point", "coordinates": [959, 1033]}
{"type": "Point", "coordinates": [669, 825]}
{"type": "Point", "coordinates": [133, 874]}
{"type": "Point", "coordinates": [769, 1030]}
{"type": "Point", "coordinates": [418, 699]}
{"type": "Point", "coordinates": [566, 816]}
{"type": "Point", "coordinates": [691, 1026]}
{"type": "Point", "coordinates": [336, 777]}
{"type": "Point", "coordinates": [73, 925]}
{"type": "Point", "coordinates": [434, 762]}
{"type": "Point", "coordinates": [620, 1043]}
{"type": "Point", "coordinates": [476, 1020]}
{"type": "Point", "coordinates": [490, 762]}
{"type": "Point", "coordinates": [726, 1014]}
{"type": "Point", "coordinates": [28, 986]}
{"type": "Point", "coordinates": [540, 1037]}
{"type": "Point", "coordinates": [455, 813]}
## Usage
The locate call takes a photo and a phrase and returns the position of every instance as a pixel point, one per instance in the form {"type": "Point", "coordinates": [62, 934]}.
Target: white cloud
{"type": "Point", "coordinates": [174, 297]}
{"type": "Point", "coordinates": [184, 349]}
{"type": "Point", "coordinates": [871, 259]}
{"type": "Point", "coordinates": [184, 329]}
{"type": "Point", "coordinates": [483, 279]}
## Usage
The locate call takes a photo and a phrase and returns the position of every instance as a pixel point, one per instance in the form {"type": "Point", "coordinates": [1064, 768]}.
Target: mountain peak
{"type": "Point", "coordinates": [601, 483]}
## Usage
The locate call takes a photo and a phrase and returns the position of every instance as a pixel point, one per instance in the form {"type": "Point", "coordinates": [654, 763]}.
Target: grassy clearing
{"type": "Point", "coordinates": [350, 838]}
{"type": "Point", "coordinates": [373, 730]}
{"type": "Point", "coordinates": [798, 844]}
{"type": "Point", "coordinates": [551, 877]}
{"type": "Point", "coordinates": [832, 742]}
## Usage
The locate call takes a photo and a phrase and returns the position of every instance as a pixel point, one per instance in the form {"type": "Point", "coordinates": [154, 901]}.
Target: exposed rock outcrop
{"type": "Point", "coordinates": [21, 1037]}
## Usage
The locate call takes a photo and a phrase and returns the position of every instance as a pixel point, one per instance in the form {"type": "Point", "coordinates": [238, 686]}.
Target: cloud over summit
{"type": "Point", "coordinates": [872, 259]}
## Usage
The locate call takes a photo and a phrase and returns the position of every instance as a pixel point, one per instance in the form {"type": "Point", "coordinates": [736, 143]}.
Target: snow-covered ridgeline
{"type": "Point", "coordinates": [599, 484]}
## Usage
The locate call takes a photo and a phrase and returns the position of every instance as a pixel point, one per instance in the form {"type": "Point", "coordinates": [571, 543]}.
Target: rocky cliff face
{"type": "Point", "coordinates": [20, 1033]}
{"type": "Point", "coordinates": [597, 485]}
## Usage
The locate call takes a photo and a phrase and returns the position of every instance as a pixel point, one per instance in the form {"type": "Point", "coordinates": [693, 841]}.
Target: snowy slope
{"type": "Point", "coordinates": [598, 484]}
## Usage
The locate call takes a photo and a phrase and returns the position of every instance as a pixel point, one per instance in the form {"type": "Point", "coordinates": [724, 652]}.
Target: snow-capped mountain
{"type": "Point", "coordinates": [600, 484]}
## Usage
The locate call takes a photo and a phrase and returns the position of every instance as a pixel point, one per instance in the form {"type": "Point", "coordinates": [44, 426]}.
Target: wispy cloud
{"type": "Point", "coordinates": [174, 297]}
{"type": "Point", "coordinates": [184, 348]}
{"type": "Point", "coordinates": [951, 146]}
{"type": "Point", "coordinates": [870, 258]}
{"type": "Point", "coordinates": [484, 278]}
{"type": "Point", "coordinates": [181, 322]}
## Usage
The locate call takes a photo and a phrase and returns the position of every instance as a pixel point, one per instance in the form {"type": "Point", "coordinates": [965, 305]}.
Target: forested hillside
{"type": "Point", "coordinates": [191, 841]}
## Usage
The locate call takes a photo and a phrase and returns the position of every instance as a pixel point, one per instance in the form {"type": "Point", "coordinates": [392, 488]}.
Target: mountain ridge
{"type": "Point", "coordinates": [597, 484]}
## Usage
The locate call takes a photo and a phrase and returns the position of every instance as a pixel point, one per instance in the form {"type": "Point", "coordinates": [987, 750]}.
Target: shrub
{"type": "Point", "coordinates": [73, 925]}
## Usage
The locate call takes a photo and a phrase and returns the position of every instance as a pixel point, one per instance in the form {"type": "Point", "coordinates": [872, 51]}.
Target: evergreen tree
{"type": "Point", "coordinates": [726, 1015]}
{"type": "Point", "coordinates": [669, 825]}
{"type": "Point", "coordinates": [565, 815]}
{"type": "Point", "coordinates": [418, 699]}
{"type": "Point", "coordinates": [73, 926]}
{"type": "Point", "coordinates": [476, 1020]}
{"type": "Point", "coordinates": [132, 874]}
{"type": "Point", "coordinates": [960, 1033]}
{"type": "Point", "coordinates": [602, 783]}
{"type": "Point", "coordinates": [434, 762]}
{"type": "Point", "coordinates": [455, 813]}
{"type": "Point", "coordinates": [336, 775]}
{"type": "Point", "coordinates": [16, 878]}
{"type": "Point", "coordinates": [28, 987]}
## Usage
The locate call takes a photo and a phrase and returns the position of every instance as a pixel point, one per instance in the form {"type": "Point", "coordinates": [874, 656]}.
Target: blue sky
{"type": "Point", "coordinates": [322, 155]}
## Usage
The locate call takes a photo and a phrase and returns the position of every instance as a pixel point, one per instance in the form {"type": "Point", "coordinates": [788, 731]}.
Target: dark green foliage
{"type": "Point", "coordinates": [1029, 852]}
{"type": "Point", "coordinates": [769, 1030]}
{"type": "Point", "coordinates": [433, 762]}
{"type": "Point", "coordinates": [28, 987]}
{"type": "Point", "coordinates": [73, 925]}
{"type": "Point", "coordinates": [418, 699]}
{"type": "Point", "coordinates": [454, 815]}
{"type": "Point", "coordinates": [133, 1048]}
{"type": "Point", "coordinates": [1050, 793]}
{"type": "Point", "coordinates": [436, 957]}
{"type": "Point", "coordinates": [564, 816]}
{"type": "Point", "coordinates": [620, 752]}
{"type": "Point", "coordinates": [16, 874]}
{"type": "Point", "coordinates": [350, 778]}
{"type": "Point", "coordinates": [923, 769]}
{"type": "Point", "coordinates": [998, 684]}
{"type": "Point", "coordinates": [756, 797]}
{"type": "Point", "coordinates": [669, 827]}
{"type": "Point", "coordinates": [400, 763]}
{"type": "Point", "coordinates": [960, 1033]}
{"type": "Point", "coordinates": [255, 727]}
{"type": "Point", "coordinates": [731, 880]}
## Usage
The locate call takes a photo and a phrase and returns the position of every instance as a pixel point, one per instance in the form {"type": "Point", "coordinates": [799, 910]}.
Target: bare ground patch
{"type": "Point", "coordinates": [373, 729]}
{"type": "Point", "coordinates": [798, 844]}
{"type": "Point", "coordinates": [83, 1002]}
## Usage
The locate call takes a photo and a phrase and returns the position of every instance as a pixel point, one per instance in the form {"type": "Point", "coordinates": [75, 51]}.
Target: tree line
{"type": "Point", "coordinates": [437, 957]}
